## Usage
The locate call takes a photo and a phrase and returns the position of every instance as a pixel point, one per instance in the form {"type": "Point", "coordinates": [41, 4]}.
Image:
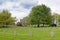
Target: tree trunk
{"type": "Point", "coordinates": [38, 24]}
{"type": "Point", "coordinates": [43, 24]}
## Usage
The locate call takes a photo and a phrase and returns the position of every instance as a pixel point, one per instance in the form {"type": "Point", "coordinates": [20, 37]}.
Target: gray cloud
{"type": "Point", "coordinates": [29, 3]}
{"type": "Point", "coordinates": [2, 1]}
{"type": "Point", "coordinates": [18, 8]}
{"type": "Point", "coordinates": [26, 4]}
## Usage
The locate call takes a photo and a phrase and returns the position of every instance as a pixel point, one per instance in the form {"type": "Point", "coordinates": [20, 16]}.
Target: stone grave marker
{"type": "Point", "coordinates": [30, 32]}
{"type": "Point", "coordinates": [52, 33]}
{"type": "Point", "coordinates": [15, 32]}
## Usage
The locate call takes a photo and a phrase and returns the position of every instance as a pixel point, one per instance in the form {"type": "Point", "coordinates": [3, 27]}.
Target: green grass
{"type": "Point", "coordinates": [23, 33]}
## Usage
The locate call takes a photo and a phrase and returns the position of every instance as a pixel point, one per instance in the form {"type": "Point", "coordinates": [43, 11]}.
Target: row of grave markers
{"type": "Point", "coordinates": [52, 33]}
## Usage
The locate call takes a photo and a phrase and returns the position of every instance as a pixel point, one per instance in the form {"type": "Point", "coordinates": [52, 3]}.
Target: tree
{"type": "Point", "coordinates": [57, 16]}
{"type": "Point", "coordinates": [25, 21]}
{"type": "Point", "coordinates": [40, 14]}
{"type": "Point", "coordinates": [5, 18]}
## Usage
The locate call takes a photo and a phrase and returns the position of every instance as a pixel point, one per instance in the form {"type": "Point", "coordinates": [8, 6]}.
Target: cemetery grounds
{"type": "Point", "coordinates": [28, 33]}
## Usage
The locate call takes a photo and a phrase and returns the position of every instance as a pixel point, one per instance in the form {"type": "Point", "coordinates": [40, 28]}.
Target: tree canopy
{"type": "Point", "coordinates": [57, 16]}
{"type": "Point", "coordinates": [40, 14]}
{"type": "Point", "coordinates": [6, 18]}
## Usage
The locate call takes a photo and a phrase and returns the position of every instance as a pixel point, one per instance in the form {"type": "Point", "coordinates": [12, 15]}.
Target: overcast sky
{"type": "Point", "coordinates": [21, 8]}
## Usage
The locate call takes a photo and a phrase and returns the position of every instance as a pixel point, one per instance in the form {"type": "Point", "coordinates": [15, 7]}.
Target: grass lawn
{"type": "Point", "coordinates": [27, 33]}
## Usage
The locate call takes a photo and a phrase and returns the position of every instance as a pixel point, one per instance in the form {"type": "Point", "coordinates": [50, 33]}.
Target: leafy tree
{"type": "Point", "coordinates": [5, 18]}
{"type": "Point", "coordinates": [57, 16]}
{"type": "Point", "coordinates": [40, 14]}
{"type": "Point", "coordinates": [25, 21]}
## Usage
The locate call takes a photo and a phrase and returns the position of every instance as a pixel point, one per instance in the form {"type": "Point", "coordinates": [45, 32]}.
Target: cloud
{"type": "Point", "coordinates": [24, 3]}
{"type": "Point", "coordinates": [29, 3]}
{"type": "Point", "coordinates": [1, 1]}
{"type": "Point", "coordinates": [53, 4]}
{"type": "Point", "coordinates": [18, 8]}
